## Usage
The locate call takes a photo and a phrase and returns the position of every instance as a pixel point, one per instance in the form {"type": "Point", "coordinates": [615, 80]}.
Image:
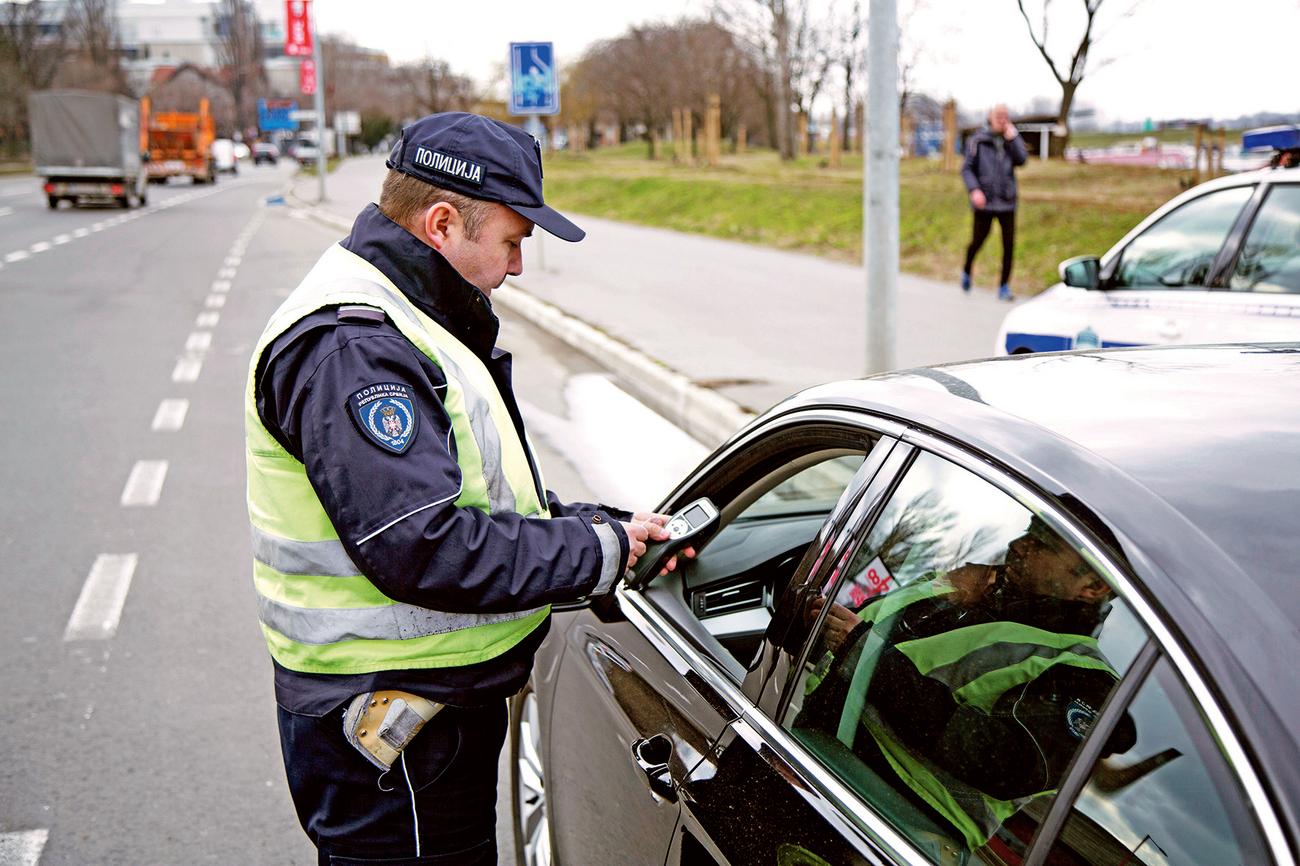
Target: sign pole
{"type": "Point", "coordinates": [536, 131]}
{"type": "Point", "coordinates": [320, 103]}
{"type": "Point", "coordinates": [880, 185]}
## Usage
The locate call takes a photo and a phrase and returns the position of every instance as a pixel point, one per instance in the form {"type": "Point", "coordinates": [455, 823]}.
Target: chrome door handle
{"type": "Point", "coordinates": [651, 756]}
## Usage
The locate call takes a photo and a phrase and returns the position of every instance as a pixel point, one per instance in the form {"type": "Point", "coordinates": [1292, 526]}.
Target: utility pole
{"type": "Point", "coordinates": [880, 185]}
{"type": "Point", "coordinates": [320, 100]}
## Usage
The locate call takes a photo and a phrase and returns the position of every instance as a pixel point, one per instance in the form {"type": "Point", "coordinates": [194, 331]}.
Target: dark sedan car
{"type": "Point", "coordinates": [1033, 610]}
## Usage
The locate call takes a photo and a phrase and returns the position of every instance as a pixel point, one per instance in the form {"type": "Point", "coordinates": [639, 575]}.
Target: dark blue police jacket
{"type": "Point", "coordinates": [436, 558]}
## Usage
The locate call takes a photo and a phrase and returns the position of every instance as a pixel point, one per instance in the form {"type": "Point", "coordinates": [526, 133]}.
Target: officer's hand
{"type": "Point", "coordinates": [977, 199]}
{"type": "Point", "coordinates": [1010, 131]}
{"type": "Point", "coordinates": [657, 524]}
{"type": "Point", "coordinates": [636, 536]}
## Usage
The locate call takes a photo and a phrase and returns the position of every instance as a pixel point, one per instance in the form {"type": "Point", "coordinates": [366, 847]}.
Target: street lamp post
{"type": "Point", "coordinates": [880, 185]}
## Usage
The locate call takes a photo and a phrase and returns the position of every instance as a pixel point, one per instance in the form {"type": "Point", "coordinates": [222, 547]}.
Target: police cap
{"type": "Point", "coordinates": [481, 158]}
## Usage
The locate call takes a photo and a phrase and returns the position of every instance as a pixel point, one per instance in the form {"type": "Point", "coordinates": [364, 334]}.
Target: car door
{"type": "Point", "coordinates": [1159, 287]}
{"type": "Point", "coordinates": [937, 679]}
{"type": "Point", "coordinates": [631, 710]}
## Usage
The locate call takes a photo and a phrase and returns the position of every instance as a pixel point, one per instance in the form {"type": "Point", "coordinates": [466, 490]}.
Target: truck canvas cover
{"type": "Point", "coordinates": [80, 132]}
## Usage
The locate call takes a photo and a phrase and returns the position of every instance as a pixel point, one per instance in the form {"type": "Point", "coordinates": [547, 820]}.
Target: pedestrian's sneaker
{"type": "Point", "coordinates": [1004, 293]}
{"type": "Point", "coordinates": [965, 282]}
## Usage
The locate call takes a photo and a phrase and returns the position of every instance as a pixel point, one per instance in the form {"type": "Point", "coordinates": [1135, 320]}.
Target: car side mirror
{"type": "Point", "coordinates": [1081, 272]}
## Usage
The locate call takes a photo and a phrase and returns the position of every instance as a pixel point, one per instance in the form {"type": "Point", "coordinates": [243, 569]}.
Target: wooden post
{"type": "Point", "coordinates": [688, 136]}
{"type": "Point", "coordinates": [950, 135]}
{"type": "Point", "coordinates": [714, 129]}
{"type": "Point", "coordinates": [1223, 143]}
{"type": "Point", "coordinates": [1196, 163]}
{"type": "Point", "coordinates": [905, 129]}
{"type": "Point", "coordinates": [860, 126]}
{"type": "Point", "coordinates": [654, 142]}
{"type": "Point", "coordinates": [741, 134]}
{"type": "Point", "coordinates": [677, 135]}
{"type": "Point", "coordinates": [801, 131]}
{"type": "Point", "coordinates": [835, 139]}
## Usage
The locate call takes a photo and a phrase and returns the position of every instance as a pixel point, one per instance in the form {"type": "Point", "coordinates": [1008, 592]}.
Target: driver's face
{"type": "Point", "coordinates": [1053, 569]}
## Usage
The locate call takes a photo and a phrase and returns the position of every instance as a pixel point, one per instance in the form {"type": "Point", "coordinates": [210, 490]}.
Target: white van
{"type": "Point", "coordinates": [223, 156]}
{"type": "Point", "coordinates": [1218, 264]}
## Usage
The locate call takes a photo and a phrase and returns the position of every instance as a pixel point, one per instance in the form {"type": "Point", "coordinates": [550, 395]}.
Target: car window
{"type": "Point", "coordinates": [1178, 250]}
{"type": "Point", "coordinates": [1269, 260]}
{"type": "Point", "coordinates": [965, 651]}
{"type": "Point", "coordinates": [814, 490]}
{"type": "Point", "coordinates": [1168, 799]}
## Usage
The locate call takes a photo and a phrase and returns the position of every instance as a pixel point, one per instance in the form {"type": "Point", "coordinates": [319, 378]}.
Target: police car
{"type": "Point", "coordinates": [1219, 263]}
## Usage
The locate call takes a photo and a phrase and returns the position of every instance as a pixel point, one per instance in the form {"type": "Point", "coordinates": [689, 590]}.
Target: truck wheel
{"type": "Point", "coordinates": [124, 202]}
{"type": "Point", "coordinates": [53, 202]}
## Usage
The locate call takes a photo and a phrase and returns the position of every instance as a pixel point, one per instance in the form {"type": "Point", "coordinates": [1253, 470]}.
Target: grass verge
{"type": "Point", "coordinates": [1066, 209]}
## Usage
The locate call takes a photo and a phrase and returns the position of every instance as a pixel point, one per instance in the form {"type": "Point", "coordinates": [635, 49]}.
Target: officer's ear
{"type": "Point", "coordinates": [438, 225]}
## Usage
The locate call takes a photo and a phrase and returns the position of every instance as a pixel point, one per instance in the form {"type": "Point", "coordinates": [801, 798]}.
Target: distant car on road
{"type": "Point", "coordinates": [1219, 263]}
{"type": "Point", "coordinates": [1024, 610]}
{"type": "Point", "coordinates": [224, 159]}
{"type": "Point", "coordinates": [305, 151]}
{"type": "Point", "coordinates": [265, 152]}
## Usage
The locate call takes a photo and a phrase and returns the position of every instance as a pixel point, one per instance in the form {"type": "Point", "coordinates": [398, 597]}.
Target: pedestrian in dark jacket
{"type": "Point", "coordinates": [992, 155]}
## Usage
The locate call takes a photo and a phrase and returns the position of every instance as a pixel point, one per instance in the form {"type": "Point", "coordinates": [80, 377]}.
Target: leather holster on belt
{"type": "Point", "coordinates": [379, 725]}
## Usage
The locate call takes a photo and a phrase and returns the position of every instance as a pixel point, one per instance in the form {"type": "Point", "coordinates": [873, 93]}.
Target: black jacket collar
{"type": "Point", "coordinates": [426, 278]}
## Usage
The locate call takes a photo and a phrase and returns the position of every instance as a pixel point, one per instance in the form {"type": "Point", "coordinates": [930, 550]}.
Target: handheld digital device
{"type": "Point", "coordinates": [689, 526]}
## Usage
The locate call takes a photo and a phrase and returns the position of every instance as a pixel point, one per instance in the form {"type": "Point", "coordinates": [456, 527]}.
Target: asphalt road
{"type": "Point", "coordinates": [149, 737]}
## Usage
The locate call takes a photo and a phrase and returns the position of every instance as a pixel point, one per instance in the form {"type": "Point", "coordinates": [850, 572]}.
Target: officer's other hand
{"type": "Point", "coordinates": [636, 536]}
{"type": "Point", "coordinates": [1010, 131]}
{"type": "Point", "coordinates": [977, 199]}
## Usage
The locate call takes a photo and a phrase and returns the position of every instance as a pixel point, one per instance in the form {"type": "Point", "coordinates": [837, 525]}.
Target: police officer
{"type": "Point", "coordinates": [406, 549]}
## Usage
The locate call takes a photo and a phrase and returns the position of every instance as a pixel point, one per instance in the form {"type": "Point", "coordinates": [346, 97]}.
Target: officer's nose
{"type": "Point", "coordinates": [515, 267]}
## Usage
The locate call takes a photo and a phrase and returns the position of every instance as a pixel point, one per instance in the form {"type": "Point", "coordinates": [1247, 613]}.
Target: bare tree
{"type": "Point", "coordinates": [31, 46]}
{"type": "Point", "coordinates": [1071, 76]}
{"type": "Point", "coordinates": [93, 38]}
{"type": "Point", "coordinates": [239, 53]}
{"type": "Point", "coordinates": [851, 49]}
{"type": "Point", "coordinates": [435, 87]}
{"type": "Point", "coordinates": [769, 28]}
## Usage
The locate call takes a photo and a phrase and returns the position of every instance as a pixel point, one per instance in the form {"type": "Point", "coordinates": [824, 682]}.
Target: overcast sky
{"type": "Point", "coordinates": [1170, 58]}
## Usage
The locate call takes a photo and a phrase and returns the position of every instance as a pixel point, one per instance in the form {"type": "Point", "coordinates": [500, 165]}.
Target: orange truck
{"type": "Point", "coordinates": [178, 143]}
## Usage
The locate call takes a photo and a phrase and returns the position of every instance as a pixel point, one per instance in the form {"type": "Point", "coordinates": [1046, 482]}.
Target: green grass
{"type": "Point", "coordinates": [1065, 209]}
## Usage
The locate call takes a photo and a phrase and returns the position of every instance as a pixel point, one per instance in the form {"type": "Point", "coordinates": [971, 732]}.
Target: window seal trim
{"type": "Point", "coordinates": [1226, 261]}
{"type": "Point", "coordinates": [1127, 586]}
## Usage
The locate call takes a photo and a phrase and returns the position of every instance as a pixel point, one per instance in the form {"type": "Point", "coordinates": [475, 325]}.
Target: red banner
{"type": "Point", "coordinates": [297, 32]}
{"type": "Point", "coordinates": [307, 77]}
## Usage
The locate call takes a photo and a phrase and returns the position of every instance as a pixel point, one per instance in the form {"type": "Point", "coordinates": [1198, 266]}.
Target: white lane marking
{"type": "Point", "coordinates": [5, 211]}
{"type": "Point", "coordinates": [198, 341]}
{"type": "Point", "coordinates": [99, 607]}
{"type": "Point", "coordinates": [187, 370]}
{"type": "Point", "coordinates": [97, 227]}
{"type": "Point", "coordinates": [233, 261]}
{"type": "Point", "coordinates": [61, 239]}
{"type": "Point", "coordinates": [170, 416]}
{"type": "Point", "coordinates": [23, 848]}
{"type": "Point", "coordinates": [207, 319]}
{"type": "Point", "coordinates": [226, 273]}
{"type": "Point", "coordinates": [297, 214]}
{"type": "Point", "coordinates": [216, 301]}
{"type": "Point", "coordinates": [18, 256]}
{"type": "Point", "coordinates": [145, 483]}
{"type": "Point", "coordinates": [40, 246]}
{"type": "Point", "coordinates": [221, 285]}
{"type": "Point", "coordinates": [80, 233]}
{"type": "Point", "coordinates": [14, 192]}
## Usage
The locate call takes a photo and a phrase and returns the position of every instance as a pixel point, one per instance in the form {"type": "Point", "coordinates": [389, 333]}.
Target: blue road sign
{"type": "Point", "coordinates": [534, 80]}
{"type": "Point", "coordinates": [273, 114]}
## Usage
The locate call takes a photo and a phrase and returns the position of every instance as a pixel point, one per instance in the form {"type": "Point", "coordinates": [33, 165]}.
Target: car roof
{"type": "Point", "coordinates": [1190, 455]}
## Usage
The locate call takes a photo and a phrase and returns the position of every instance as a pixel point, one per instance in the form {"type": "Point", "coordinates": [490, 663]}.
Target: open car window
{"type": "Point", "coordinates": [962, 656]}
{"type": "Point", "coordinates": [774, 499]}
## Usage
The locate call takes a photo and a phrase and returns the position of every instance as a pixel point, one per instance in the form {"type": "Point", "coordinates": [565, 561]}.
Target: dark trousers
{"type": "Point", "coordinates": [1007, 226]}
{"type": "Point", "coordinates": [442, 791]}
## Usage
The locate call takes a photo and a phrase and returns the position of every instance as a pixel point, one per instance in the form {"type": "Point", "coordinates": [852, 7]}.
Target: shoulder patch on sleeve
{"type": "Point", "coordinates": [385, 414]}
{"type": "Point", "coordinates": [361, 314]}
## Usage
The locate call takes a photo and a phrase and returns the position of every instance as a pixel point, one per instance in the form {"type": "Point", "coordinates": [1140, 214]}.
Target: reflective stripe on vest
{"type": "Point", "coordinates": [319, 613]}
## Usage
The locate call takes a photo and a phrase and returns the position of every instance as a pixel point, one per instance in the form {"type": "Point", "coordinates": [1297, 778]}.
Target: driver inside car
{"type": "Point", "coordinates": [972, 688]}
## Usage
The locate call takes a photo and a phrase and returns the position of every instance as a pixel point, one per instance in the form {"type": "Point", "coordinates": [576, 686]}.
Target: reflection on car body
{"type": "Point", "coordinates": [949, 618]}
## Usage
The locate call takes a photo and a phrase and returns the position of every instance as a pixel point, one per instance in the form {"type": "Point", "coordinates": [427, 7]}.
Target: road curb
{"type": "Point", "coordinates": [702, 412]}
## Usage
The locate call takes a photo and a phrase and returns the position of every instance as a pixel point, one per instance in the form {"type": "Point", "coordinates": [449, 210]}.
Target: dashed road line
{"type": "Point", "coordinates": [215, 301]}
{"type": "Point", "coordinates": [17, 256]}
{"type": "Point", "coordinates": [145, 483]}
{"type": "Point", "coordinates": [187, 370]}
{"type": "Point", "coordinates": [226, 273]}
{"type": "Point", "coordinates": [198, 341]}
{"type": "Point", "coordinates": [233, 261]}
{"type": "Point", "coordinates": [221, 285]}
{"type": "Point", "coordinates": [61, 239]}
{"type": "Point", "coordinates": [207, 319]}
{"type": "Point", "coordinates": [170, 416]}
{"type": "Point", "coordinates": [40, 246]}
{"type": "Point", "coordinates": [6, 211]}
{"type": "Point", "coordinates": [23, 848]}
{"type": "Point", "coordinates": [99, 607]}
{"type": "Point", "coordinates": [80, 233]}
